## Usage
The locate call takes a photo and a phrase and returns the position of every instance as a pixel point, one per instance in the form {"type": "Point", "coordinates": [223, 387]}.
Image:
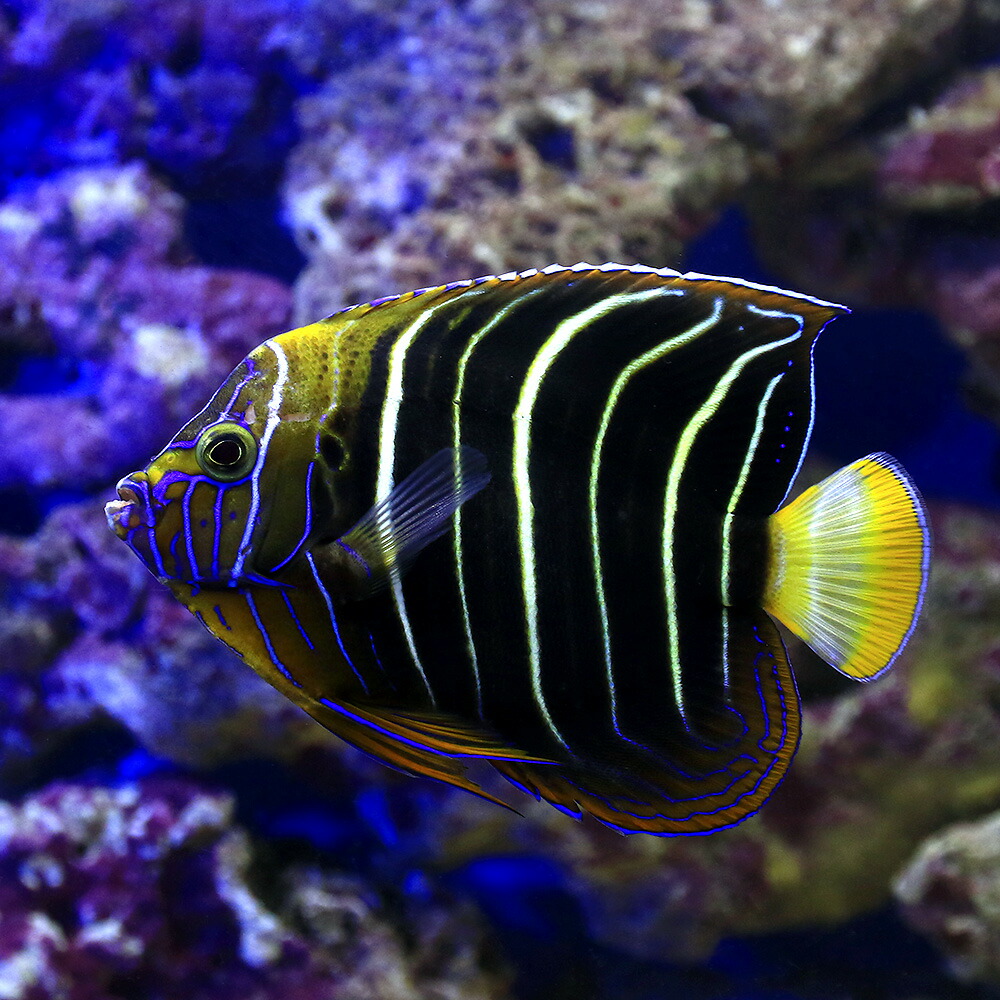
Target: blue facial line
{"type": "Point", "coordinates": [174, 542]}
{"type": "Point", "coordinates": [295, 618]}
{"type": "Point", "coordinates": [220, 494]}
{"type": "Point", "coordinates": [243, 383]}
{"type": "Point", "coordinates": [267, 639]}
{"type": "Point", "coordinates": [154, 497]}
{"type": "Point", "coordinates": [308, 526]}
{"type": "Point", "coordinates": [154, 550]}
{"type": "Point", "coordinates": [193, 566]}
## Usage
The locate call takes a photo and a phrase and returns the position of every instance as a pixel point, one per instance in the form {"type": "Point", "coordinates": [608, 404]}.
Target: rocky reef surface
{"type": "Point", "coordinates": [949, 891]}
{"type": "Point", "coordinates": [150, 889]}
{"type": "Point", "coordinates": [406, 144]}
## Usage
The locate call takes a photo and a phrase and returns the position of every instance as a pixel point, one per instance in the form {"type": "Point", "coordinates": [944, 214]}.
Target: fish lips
{"type": "Point", "coordinates": [129, 511]}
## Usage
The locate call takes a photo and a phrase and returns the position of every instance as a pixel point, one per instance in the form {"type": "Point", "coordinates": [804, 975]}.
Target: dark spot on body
{"type": "Point", "coordinates": [331, 448]}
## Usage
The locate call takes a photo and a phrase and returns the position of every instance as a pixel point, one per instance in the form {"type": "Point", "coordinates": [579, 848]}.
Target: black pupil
{"type": "Point", "coordinates": [226, 452]}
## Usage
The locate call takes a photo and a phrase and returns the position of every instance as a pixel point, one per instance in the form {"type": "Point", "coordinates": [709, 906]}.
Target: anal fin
{"type": "Point", "coordinates": [696, 785]}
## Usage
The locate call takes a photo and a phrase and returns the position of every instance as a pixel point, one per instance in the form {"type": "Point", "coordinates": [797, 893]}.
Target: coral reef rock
{"type": "Point", "coordinates": [951, 892]}
{"type": "Point", "coordinates": [485, 138]}
{"type": "Point", "coordinates": [904, 215]}
{"type": "Point", "coordinates": [948, 156]}
{"type": "Point", "coordinates": [103, 638]}
{"type": "Point", "coordinates": [149, 890]}
{"type": "Point", "coordinates": [490, 140]}
{"type": "Point", "coordinates": [787, 76]}
{"type": "Point", "coordinates": [187, 86]}
{"type": "Point", "coordinates": [95, 291]}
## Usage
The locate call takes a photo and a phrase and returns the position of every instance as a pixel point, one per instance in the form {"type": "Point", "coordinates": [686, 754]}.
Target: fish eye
{"type": "Point", "coordinates": [226, 451]}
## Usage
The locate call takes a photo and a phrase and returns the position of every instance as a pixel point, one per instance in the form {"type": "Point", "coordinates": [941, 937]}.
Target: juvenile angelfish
{"type": "Point", "coordinates": [537, 520]}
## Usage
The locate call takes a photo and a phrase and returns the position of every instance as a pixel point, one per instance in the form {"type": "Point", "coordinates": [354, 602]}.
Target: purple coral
{"type": "Point", "coordinates": [94, 270]}
{"type": "Point", "coordinates": [146, 889]}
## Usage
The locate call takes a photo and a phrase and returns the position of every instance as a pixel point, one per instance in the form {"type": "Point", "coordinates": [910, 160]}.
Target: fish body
{"type": "Point", "coordinates": [536, 519]}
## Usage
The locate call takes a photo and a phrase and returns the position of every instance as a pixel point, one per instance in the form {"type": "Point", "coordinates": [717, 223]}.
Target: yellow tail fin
{"type": "Point", "coordinates": [848, 565]}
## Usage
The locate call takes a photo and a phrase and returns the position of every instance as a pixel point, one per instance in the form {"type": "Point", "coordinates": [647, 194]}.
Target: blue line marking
{"type": "Point", "coordinates": [308, 526]}
{"type": "Point", "coordinates": [333, 621]}
{"type": "Point", "coordinates": [295, 618]}
{"type": "Point", "coordinates": [217, 537]}
{"type": "Point", "coordinates": [353, 553]}
{"type": "Point", "coordinates": [393, 736]}
{"type": "Point", "coordinates": [267, 639]}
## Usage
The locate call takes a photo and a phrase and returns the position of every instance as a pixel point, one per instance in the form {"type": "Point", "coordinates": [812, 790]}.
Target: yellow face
{"type": "Point", "coordinates": [230, 500]}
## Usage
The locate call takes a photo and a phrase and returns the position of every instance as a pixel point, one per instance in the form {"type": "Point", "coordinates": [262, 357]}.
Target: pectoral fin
{"type": "Point", "coordinates": [393, 533]}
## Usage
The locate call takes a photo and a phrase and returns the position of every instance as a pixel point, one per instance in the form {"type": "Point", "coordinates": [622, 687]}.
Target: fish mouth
{"type": "Point", "coordinates": [128, 512]}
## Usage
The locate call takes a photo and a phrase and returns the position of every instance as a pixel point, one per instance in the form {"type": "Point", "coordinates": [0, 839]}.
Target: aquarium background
{"type": "Point", "coordinates": [181, 180]}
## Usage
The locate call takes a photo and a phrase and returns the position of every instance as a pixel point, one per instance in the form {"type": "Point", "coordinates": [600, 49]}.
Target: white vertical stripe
{"type": "Point", "coordinates": [812, 420]}
{"type": "Point", "coordinates": [704, 413]}
{"type": "Point", "coordinates": [456, 444]}
{"type": "Point", "coordinates": [543, 360]}
{"type": "Point", "coordinates": [727, 521]}
{"type": "Point", "coordinates": [338, 335]}
{"type": "Point", "coordinates": [273, 416]}
{"type": "Point", "coordinates": [650, 356]}
{"type": "Point", "coordinates": [386, 463]}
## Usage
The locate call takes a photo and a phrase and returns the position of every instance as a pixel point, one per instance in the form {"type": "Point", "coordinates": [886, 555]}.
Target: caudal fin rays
{"type": "Point", "coordinates": [848, 566]}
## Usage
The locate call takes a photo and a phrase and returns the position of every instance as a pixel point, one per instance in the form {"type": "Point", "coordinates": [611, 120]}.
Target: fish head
{"type": "Point", "coordinates": [232, 500]}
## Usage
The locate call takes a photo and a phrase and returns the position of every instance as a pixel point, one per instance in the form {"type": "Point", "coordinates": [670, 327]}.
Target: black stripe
{"type": "Point", "coordinates": [647, 424]}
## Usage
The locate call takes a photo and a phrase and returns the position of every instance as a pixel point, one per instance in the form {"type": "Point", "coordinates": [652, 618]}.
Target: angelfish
{"type": "Point", "coordinates": [536, 519]}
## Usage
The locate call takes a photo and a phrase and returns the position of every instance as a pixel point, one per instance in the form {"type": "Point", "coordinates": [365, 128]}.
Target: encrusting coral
{"type": "Point", "coordinates": [149, 889]}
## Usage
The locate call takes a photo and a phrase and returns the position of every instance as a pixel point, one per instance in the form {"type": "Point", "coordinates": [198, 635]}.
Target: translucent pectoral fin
{"type": "Point", "coordinates": [393, 533]}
